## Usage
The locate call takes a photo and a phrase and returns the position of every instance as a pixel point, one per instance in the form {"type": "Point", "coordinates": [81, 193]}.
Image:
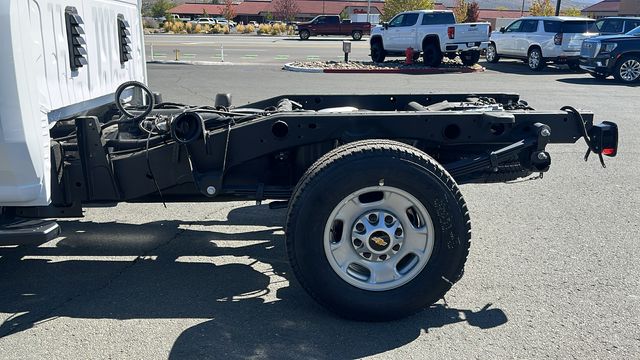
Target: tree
{"type": "Point", "coordinates": [285, 10]}
{"type": "Point", "coordinates": [392, 7]}
{"type": "Point", "coordinates": [161, 7]}
{"type": "Point", "coordinates": [572, 12]}
{"type": "Point", "coordinates": [542, 8]}
{"type": "Point", "coordinates": [460, 10]}
{"type": "Point", "coordinates": [228, 12]}
{"type": "Point", "coordinates": [473, 12]}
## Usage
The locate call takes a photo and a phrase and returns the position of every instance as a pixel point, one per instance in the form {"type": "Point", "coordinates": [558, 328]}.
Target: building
{"type": "Point", "coordinates": [608, 8]}
{"type": "Point", "coordinates": [264, 10]}
{"type": "Point", "coordinates": [261, 10]}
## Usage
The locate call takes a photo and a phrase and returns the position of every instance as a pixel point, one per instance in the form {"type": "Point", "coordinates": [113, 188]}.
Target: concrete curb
{"type": "Point", "coordinates": [414, 71]}
{"type": "Point", "coordinates": [290, 67]}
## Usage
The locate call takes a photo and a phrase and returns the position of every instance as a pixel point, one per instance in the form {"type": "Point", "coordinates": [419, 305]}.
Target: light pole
{"type": "Point", "coordinates": [522, 9]}
{"type": "Point", "coordinates": [558, 7]}
{"type": "Point", "coordinates": [368, 10]}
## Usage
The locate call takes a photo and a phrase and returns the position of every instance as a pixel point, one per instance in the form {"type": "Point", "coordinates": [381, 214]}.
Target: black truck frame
{"type": "Point", "coordinates": [375, 218]}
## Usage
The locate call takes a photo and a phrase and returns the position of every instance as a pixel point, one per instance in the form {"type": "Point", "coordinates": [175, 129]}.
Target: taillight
{"type": "Point", "coordinates": [557, 39]}
{"type": "Point", "coordinates": [451, 32]}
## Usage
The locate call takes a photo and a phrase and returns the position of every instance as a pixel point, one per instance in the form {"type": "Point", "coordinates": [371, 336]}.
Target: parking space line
{"type": "Point", "coordinates": [313, 57]}
{"type": "Point", "coordinates": [281, 57]}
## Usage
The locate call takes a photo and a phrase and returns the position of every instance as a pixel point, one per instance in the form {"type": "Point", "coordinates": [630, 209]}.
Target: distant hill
{"type": "Point", "coordinates": [517, 4]}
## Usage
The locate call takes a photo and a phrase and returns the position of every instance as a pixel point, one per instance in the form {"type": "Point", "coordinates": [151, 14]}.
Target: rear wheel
{"type": "Point", "coordinates": [377, 52]}
{"type": "Point", "coordinates": [627, 69]}
{"type": "Point", "coordinates": [492, 54]}
{"type": "Point", "coordinates": [304, 34]}
{"type": "Point", "coordinates": [356, 35]}
{"type": "Point", "coordinates": [381, 245]}
{"type": "Point", "coordinates": [535, 60]}
{"type": "Point", "coordinates": [431, 55]}
{"type": "Point", "coordinates": [470, 58]}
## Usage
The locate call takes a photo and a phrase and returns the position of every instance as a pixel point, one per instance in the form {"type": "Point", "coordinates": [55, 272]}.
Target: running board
{"type": "Point", "coordinates": [23, 231]}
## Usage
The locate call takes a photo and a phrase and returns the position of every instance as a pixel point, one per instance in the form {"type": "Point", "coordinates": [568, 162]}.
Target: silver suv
{"type": "Point", "coordinates": [540, 40]}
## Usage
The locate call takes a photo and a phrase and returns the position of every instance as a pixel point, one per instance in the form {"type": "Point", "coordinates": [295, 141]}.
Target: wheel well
{"type": "Point", "coordinates": [431, 39]}
{"type": "Point", "coordinates": [534, 47]}
{"type": "Point", "coordinates": [376, 39]}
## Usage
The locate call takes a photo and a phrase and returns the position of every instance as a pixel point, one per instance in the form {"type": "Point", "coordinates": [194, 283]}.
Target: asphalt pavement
{"type": "Point", "coordinates": [553, 269]}
{"type": "Point", "coordinates": [251, 49]}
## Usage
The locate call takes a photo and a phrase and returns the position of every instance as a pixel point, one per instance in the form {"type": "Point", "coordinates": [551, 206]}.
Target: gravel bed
{"type": "Point", "coordinates": [390, 65]}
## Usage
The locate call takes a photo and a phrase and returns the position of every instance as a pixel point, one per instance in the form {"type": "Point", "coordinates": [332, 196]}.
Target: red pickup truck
{"type": "Point", "coordinates": [332, 25]}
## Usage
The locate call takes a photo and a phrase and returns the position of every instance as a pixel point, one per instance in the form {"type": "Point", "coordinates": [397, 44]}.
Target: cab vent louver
{"type": "Point", "coordinates": [77, 51]}
{"type": "Point", "coordinates": [124, 36]}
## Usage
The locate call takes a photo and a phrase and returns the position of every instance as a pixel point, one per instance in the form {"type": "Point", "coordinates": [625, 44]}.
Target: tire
{"type": "Point", "coordinates": [356, 35]}
{"type": "Point", "coordinates": [627, 70]}
{"type": "Point", "coordinates": [431, 55]}
{"type": "Point", "coordinates": [470, 58]}
{"type": "Point", "coordinates": [598, 76]}
{"type": "Point", "coordinates": [406, 178]}
{"type": "Point", "coordinates": [535, 61]}
{"type": "Point", "coordinates": [377, 52]}
{"type": "Point", "coordinates": [304, 34]}
{"type": "Point", "coordinates": [492, 54]}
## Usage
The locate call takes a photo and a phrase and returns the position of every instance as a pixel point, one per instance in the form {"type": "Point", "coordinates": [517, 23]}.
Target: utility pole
{"type": "Point", "coordinates": [522, 9]}
{"type": "Point", "coordinates": [368, 10]}
{"type": "Point", "coordinates": [558, 7]}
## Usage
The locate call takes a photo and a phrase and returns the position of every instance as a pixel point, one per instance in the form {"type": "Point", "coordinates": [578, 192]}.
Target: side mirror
{"type": "Point", "coordinates": [503, 30]}
{"type": "Point", "coordinates": [385, 25]}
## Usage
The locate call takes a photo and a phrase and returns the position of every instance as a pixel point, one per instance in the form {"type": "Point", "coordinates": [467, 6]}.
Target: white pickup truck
{"type": "Point", "coordinates": [434, 33]}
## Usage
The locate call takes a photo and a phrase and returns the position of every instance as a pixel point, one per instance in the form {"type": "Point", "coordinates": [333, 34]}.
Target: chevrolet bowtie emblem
{"type": "Point", "coordinates": [379, 241]}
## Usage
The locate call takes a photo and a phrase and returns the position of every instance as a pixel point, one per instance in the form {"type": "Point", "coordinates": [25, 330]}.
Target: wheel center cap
{"type": "Point", "coordinates": [379, 241]}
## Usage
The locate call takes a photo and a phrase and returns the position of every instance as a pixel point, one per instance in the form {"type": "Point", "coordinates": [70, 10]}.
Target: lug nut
{"type": "Point", "coordinates": [373, 218]}
{"type": "Point", "coordinates": [367, 255]}
{"type": "Point", "coordinates": [357, 242]}
{"type": "Point", "coordinates": [360, 227]}
{"type": "Point", "coordinates": [398, 232]}
{"type": "Point", "coordinates": [396, 247]}
{"type": "Point", "coordinates": [383, 257]}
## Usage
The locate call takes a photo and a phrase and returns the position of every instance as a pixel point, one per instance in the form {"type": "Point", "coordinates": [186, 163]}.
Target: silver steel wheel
{"type": "Point", "coordinates": [378, 238]}
{"type": "Point", "coordinates": [491, 53]}
{"type": "Point", "coordinates": [630, 70]}
{"type": "Point", "coordinates": [534, 59]}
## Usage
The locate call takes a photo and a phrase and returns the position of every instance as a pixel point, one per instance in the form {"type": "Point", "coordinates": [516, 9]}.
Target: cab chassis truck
{"type": "Point", "coordinates": [375, 217]}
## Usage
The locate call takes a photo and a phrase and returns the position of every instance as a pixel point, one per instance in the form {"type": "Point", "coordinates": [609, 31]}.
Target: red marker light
{"type": "Point", "coordinates": [608, 151]}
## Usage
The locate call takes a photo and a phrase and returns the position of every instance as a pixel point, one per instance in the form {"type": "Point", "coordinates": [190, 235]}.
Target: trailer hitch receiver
{"type": "Point", "coordinates": [604, 138]}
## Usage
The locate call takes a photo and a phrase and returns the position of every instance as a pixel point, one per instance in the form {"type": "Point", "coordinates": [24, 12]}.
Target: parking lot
{"type": "Point", "coordinates": [253, 50]}
{"type": "Point", "coordinates": [553, 269]}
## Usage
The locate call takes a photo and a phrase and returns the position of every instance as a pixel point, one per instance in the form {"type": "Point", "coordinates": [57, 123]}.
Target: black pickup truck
{"type": "Point", "coordinates": [617, 55]}
{"type": "Point", "coordinates": [332, 25]}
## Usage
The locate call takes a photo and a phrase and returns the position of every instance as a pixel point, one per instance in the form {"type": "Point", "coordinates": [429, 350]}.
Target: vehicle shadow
{"type": "Point", "coordinates": [241, 281]}
{"type": "Point", "coordinates": [592, 81]}
{"type": "Point", "coordinates": [520, 68]}
{"type": "Point", "coordinates": [324, 38]}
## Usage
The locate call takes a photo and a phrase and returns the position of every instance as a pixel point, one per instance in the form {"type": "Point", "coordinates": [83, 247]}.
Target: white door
{"type": "Point", "coordinates": [392, 36]}
{"type": "Point", "coordinates": [507, 43]}
{"type": "Point", "coordinates": [526, 36]}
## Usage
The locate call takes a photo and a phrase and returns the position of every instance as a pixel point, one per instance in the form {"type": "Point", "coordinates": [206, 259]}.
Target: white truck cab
{"type": "Point", "coordinates": [434, 33]}
{"type": "Point", "coordinates": [60, 59]}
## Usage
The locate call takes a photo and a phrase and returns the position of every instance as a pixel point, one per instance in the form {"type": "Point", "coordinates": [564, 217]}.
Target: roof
{"type": "Point", "coordinates": [256, 7]}
{"type": "Point", "coordinates": [604, 6]}
{"type": "Point", "coordinates": [559, 18]}
{"type": "Point", "coordinates": [498, 14]}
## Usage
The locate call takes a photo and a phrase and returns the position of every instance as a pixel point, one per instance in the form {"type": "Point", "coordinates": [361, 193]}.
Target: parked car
{"type": "Point", "coordinates": [204, 21]}
{"type": "Point", "coordinates": [332, 25]}
{"type": "Point", "coordinates": [540, 40]}
{"type": "Point", "coordinates": [223, 21]}
{"type": "Point", "coordinates": [617, 55]}
{"type": "Point", "coordinates": [434, 33]}
{"type": "Point", "coordinates": [253, 23]}
{"type": "Point", "coordinates": [617, 25]}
